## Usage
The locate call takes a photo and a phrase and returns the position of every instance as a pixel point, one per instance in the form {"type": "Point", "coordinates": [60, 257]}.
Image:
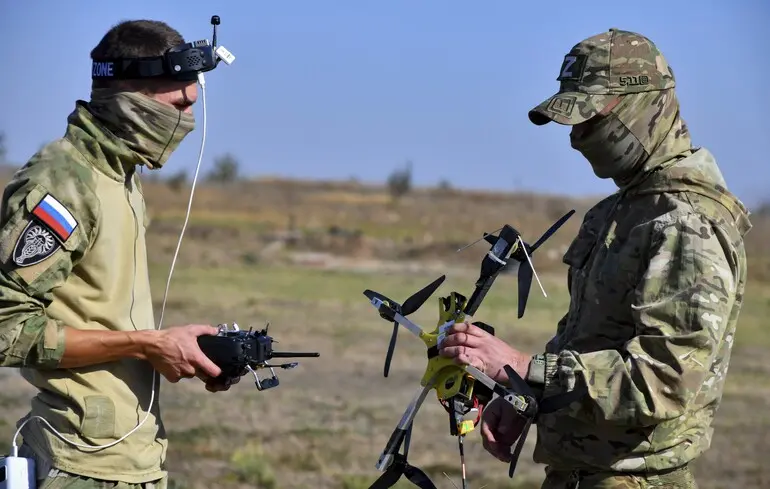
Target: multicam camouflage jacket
{"type": "Point", "coordinates": [656, 279]}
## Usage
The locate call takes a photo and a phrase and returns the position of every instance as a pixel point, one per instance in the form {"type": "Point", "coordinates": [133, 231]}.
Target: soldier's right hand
{"type": "Point", "coordinates": [175, 354]}
{"type": "Point", "coordinates": [500, 428]}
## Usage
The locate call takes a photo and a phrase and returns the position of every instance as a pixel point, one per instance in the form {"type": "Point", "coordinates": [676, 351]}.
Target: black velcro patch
{"type": "Point", "coordinates": [572, 67]}
{"type": "Point", "coordinates": [35, 244]}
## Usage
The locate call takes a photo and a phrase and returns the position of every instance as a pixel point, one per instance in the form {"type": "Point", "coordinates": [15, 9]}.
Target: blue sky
{"type": "Point", "coordinates": [334, 89]}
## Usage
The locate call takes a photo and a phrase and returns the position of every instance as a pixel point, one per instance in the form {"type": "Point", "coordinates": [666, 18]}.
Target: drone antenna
{"type": "Point", "coordinates": [480, 239]}
{"type": "Point", "coordinates": [524, 248]}
{"type": "Point", "coordinates": [214, 22]}
{"type": "Point", "coordinates": [462, 459]}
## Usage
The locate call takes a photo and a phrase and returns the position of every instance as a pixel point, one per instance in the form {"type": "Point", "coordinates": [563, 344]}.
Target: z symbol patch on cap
{"type": "Point", "coordinates": [572, 67]}
{"type": "Point", "coordinates": [54, 215]}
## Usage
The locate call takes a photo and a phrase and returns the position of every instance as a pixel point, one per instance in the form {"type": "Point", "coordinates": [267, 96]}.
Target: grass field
{"type": "Point", "coordinates": [326, 424]}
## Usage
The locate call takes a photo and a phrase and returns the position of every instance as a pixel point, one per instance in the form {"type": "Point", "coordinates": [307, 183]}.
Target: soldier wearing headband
{"type": "Point", "coordinates": [656, 280]}
{"type": "Point", "coordinates": [76, 314]}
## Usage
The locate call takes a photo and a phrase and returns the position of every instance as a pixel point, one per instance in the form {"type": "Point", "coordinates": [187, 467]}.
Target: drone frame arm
{"type": "Point", "coordinates": [399, 434]}
{"type": "Point", "coordinates": [522, 402]}
{"type": "Point", "coordinates": [392, 315]}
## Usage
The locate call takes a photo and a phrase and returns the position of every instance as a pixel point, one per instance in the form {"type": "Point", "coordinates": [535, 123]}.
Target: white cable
{"type": "Point", "coordinates": [14, 448]}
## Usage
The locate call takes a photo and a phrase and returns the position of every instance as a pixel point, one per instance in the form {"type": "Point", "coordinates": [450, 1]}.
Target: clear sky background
{"type": "Point", "coordinates": [334, 89]}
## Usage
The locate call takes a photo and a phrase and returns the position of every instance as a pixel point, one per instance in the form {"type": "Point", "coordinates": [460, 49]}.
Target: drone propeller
{"type": "Point", "coordinates": [418, 298]}
{"type": "Point", "coordinates": [401, 467]}
{"type": "Point", "coordinates": [522, 254]}
{"type": "Point", "coordinates": [555, 227]}
{"type": "Point", "coordinates": [526, 270]}
{"type": "Point", "coordinates": [411, 305]}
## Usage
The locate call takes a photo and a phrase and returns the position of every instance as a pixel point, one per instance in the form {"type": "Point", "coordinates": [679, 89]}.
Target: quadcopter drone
{"type": "Point", "coordinates": [462, 390]}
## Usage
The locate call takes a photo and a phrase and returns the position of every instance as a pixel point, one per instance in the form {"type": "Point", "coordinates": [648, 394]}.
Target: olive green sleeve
{"type": "Point", "coordinates": [36, 257]}
{"type": "Point", "coordinates": [682, 307]}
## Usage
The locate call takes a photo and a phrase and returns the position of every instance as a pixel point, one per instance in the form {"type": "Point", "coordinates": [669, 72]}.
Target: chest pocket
{"type": "Point", "coordinates": [604, 263]}
{"type": "Point", "coordinates": [577, 258]}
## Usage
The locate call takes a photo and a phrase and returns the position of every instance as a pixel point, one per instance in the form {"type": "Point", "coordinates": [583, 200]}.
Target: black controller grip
{"type": "Point", "coordinates": [231, 354]}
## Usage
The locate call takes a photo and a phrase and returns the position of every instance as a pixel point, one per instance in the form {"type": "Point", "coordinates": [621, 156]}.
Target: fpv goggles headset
{"type": "Point", "coordinates": [181, 63]}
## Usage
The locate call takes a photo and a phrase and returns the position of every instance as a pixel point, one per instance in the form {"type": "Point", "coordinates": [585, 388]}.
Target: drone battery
{"type": "Point", "coordinates": [17, 473]}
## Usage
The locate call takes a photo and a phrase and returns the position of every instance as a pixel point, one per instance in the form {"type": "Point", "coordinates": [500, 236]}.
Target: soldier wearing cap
{"type": "Point", "coordinates": [656, 280]}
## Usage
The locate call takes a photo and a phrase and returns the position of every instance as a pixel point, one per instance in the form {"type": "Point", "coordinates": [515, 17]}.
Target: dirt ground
{"type": "Point", "coordinates": [326, 423]}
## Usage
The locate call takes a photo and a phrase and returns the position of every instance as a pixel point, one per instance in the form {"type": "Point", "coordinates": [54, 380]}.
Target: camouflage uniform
{"type": "Point", "coordinates": [72, 253]}
{"type": "Point", "coordinates": [656, 280]}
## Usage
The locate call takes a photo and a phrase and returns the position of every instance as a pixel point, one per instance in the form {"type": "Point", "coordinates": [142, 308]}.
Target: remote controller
{"type": "Point", "coordinates": [236, 352]}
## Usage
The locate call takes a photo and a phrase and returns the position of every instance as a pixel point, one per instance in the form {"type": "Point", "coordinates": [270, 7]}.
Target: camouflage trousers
{"type": "Point", "coordinates": [51, 478]}
{"type": "Point", "coordinates": [681, 478]}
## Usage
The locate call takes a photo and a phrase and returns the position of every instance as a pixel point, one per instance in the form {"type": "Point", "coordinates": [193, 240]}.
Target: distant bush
{"type": "Point", "coordinates": [400, 181]}
{"type": "Point", "coordinates": [225, 169]}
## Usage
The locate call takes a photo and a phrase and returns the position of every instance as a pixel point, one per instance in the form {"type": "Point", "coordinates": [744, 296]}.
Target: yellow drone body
{"type": "Point", "coordinates": [450, 378]}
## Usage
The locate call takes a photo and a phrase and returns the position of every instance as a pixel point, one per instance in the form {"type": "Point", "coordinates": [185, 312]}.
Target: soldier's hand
{"type": "Point", "coordinates": [218, 385]}
{"type": "Point", "coordinates": [174, 352]}
{"type": "Point", "coordinates": [471, 345]}
{"type": "Point", "coordinates": [500, 428]}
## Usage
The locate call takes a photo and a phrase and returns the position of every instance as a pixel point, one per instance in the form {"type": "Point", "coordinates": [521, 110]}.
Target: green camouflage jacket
{"type": "Point", "coordinates": [72, 253]}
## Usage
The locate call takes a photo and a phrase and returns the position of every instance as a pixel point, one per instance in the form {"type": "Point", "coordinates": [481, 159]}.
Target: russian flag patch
{"type": "Point", "coordinates": [54, 215]}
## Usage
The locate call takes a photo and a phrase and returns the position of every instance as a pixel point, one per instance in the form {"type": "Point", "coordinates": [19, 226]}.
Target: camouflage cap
{"type": "Point", "coordinates": [600, 68]}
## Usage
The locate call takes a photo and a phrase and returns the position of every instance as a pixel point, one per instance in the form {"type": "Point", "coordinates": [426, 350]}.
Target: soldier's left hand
{"type": "Point", "coordinates": [217, 385]}
{"type": "Point", "coordinates": [471, 345]}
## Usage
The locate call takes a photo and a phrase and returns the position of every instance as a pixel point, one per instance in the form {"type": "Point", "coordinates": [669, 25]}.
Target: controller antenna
{"type": "Point", "coordinates": [215, 22]}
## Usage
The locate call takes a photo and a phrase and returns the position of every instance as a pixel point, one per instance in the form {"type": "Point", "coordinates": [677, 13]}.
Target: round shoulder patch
{"type": "Point", "coordinates": [35, 244]}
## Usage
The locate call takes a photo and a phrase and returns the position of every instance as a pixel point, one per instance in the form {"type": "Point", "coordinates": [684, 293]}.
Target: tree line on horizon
{"type": "Point", "coordinates": [226, 170]}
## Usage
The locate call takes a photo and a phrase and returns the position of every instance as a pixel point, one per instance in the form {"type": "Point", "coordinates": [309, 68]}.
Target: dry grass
{"type": "Point", "coordinates": [326, 424]}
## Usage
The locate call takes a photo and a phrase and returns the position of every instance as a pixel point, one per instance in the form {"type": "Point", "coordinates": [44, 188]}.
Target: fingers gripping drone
{"type": "Point", "coordinates": [462, 390]}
